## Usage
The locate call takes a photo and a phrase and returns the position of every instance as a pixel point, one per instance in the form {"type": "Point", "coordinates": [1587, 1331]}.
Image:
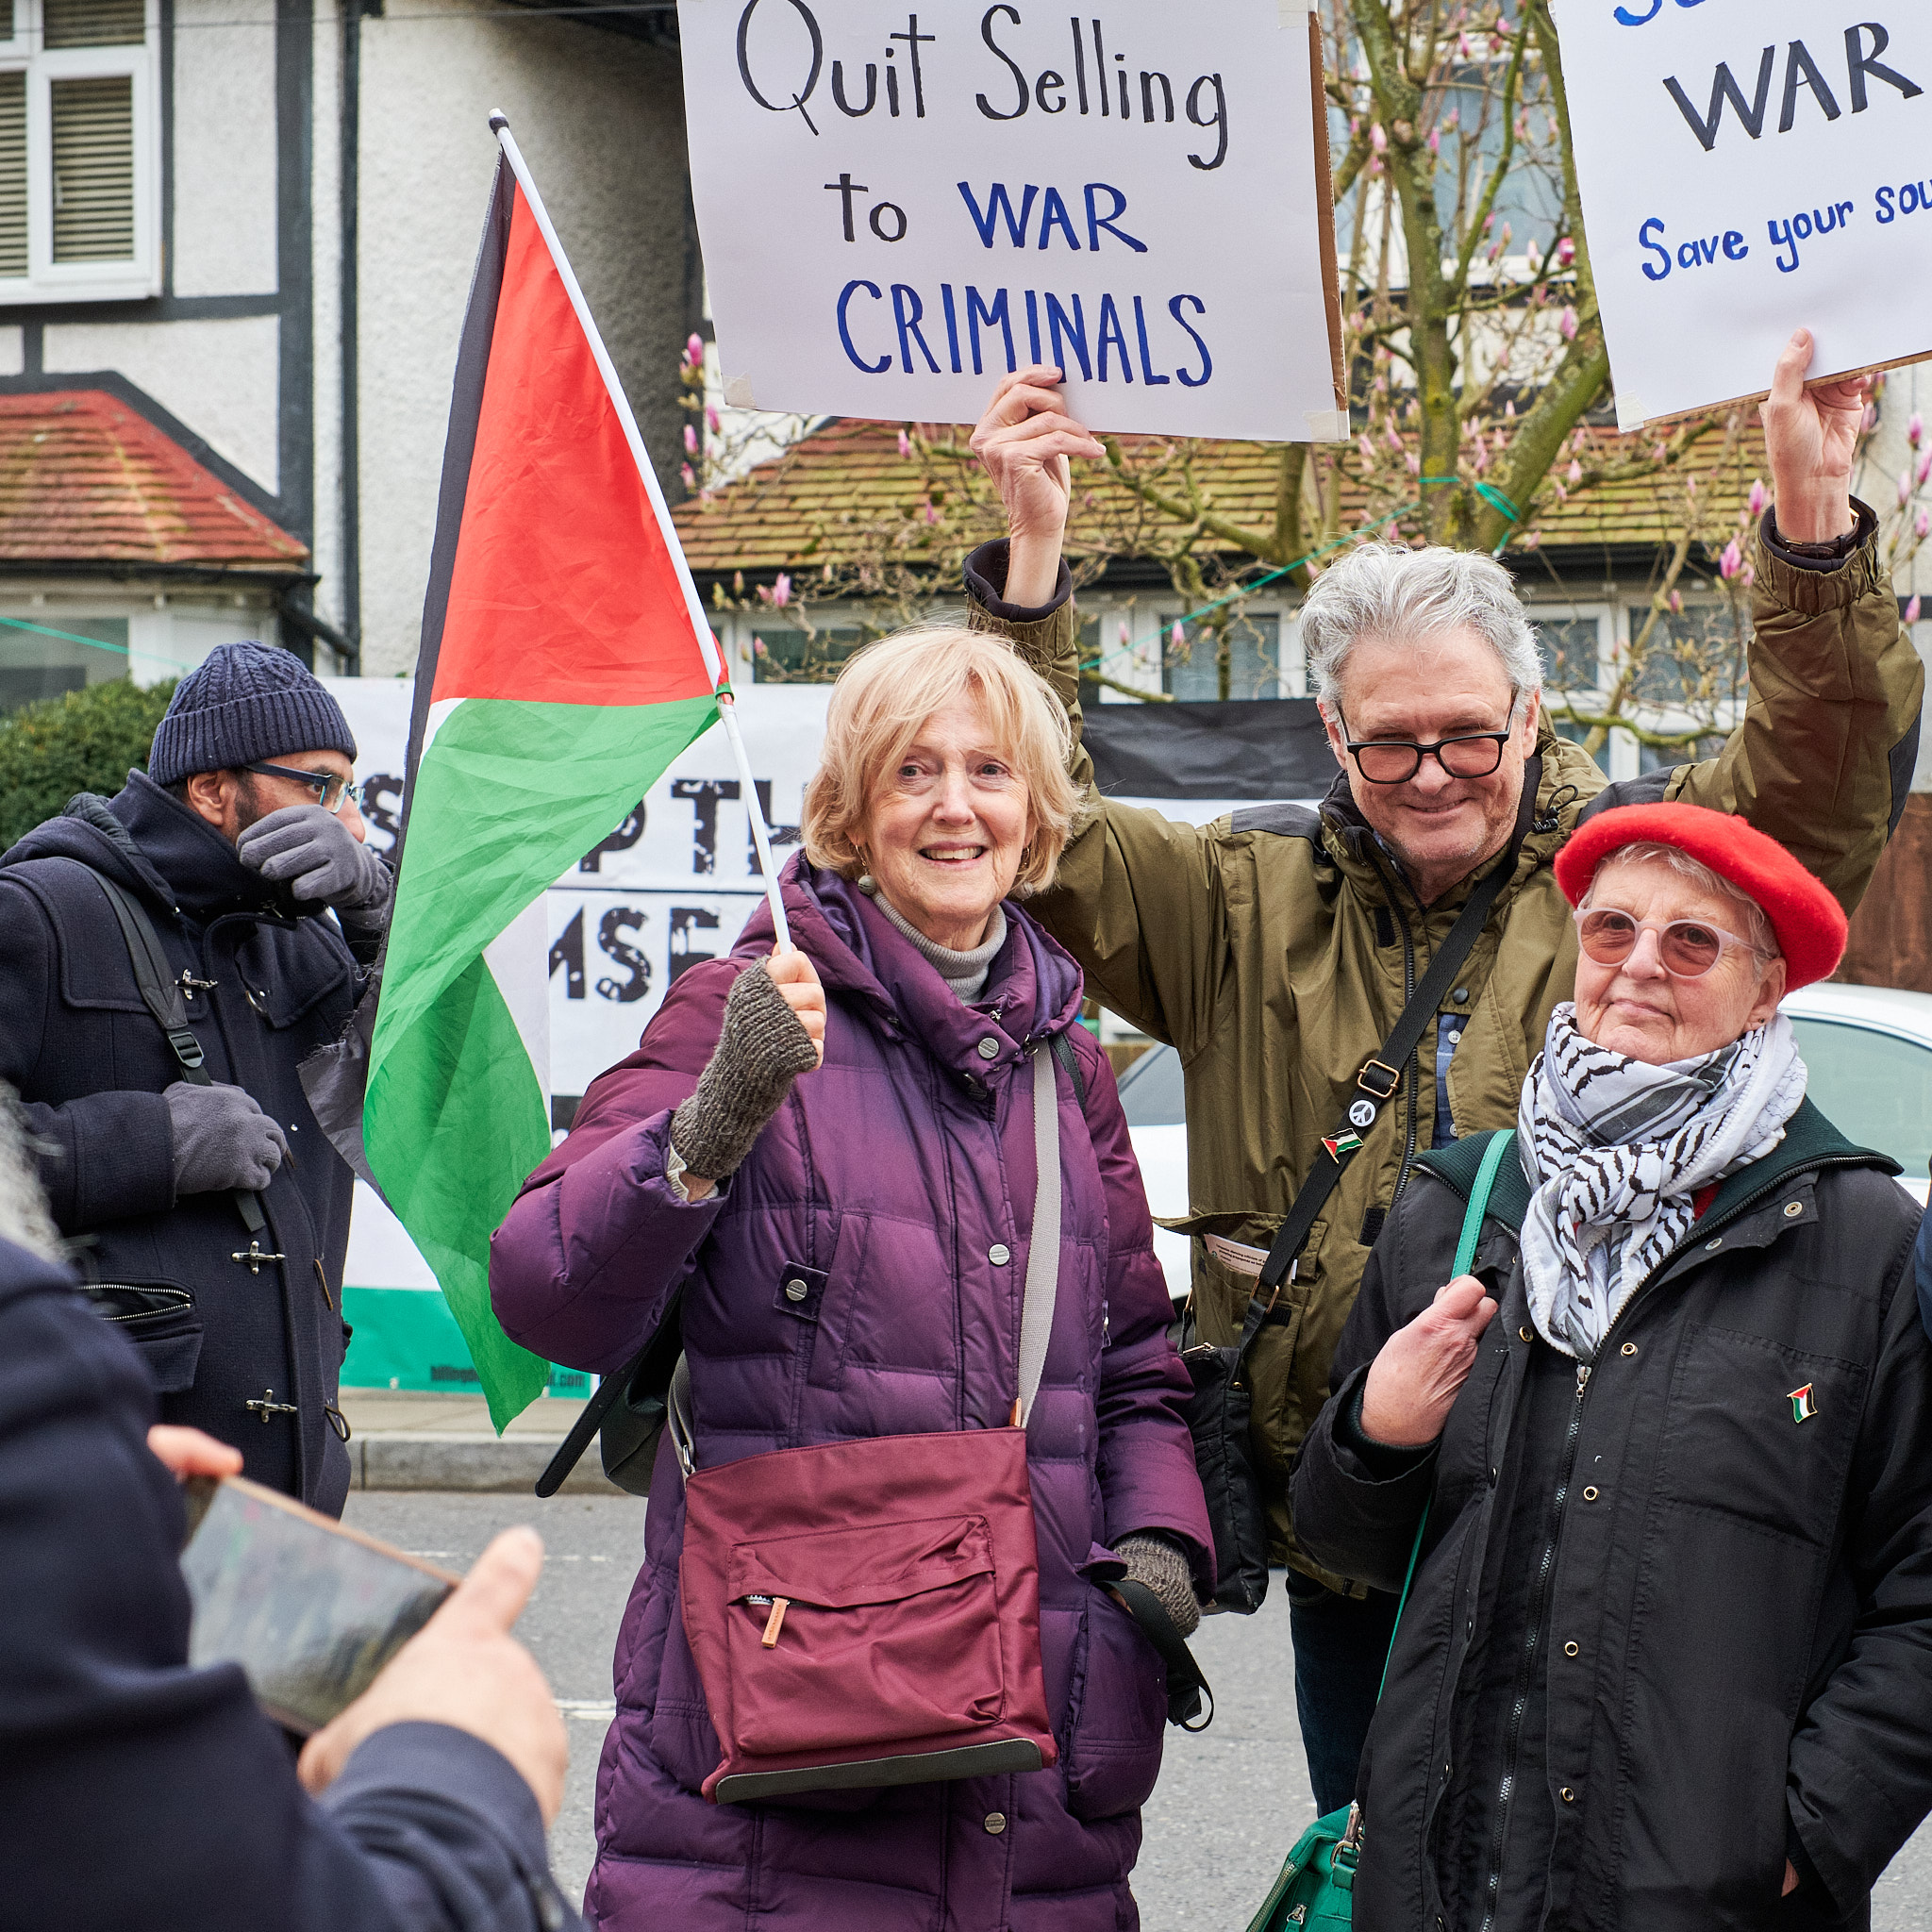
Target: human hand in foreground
{"type": "Point", "coordinates": [318, 857]}
{"type": "Point", "coordinates": [464, 1669]}
{"type": "Point", "coordinates": [188, 1451]}
{"type": "Point", "coordinates": [1025, 440]}
{"type": "Point", "coordinates": [1811, 437]}
{"type": "Point", "coordinates": [1414, 1381]}
{"type": "Point", "coordinates": [220, 1139]}
{"type": "Point", "coordinates": [1791, 1879]}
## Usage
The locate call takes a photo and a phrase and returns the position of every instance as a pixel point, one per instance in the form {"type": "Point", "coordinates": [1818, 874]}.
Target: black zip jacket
{"type": "Point", "coordinates": [90, 1062]}
{"type": "Point", "coordinates": [1672, 1623]}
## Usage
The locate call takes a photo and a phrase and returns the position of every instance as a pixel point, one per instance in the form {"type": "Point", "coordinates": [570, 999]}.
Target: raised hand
{"type": "Point", "coordinates": [1810, 436]}
{"type": "Point", "coordinates": [795, 977]}
{"type": "Point", "coordinates": [1027, 440]}
{"type": "Point", "coordinates": [1414, 1381]}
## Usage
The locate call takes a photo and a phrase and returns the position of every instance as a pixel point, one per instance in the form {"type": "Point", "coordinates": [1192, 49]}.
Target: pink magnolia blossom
{"type": "Point", "coordinates": [1377, 138]}
{"type": "Point", "coordinates": [1922, 524]}
{"type": "Point", "coordinates": [690, 482]}
{"type": "Point", "coordinates": [1676, 601]}
{"type": "Point", "coordinates": [695, 349]}
{"type": "Point", "coordinates": [1532, 540]}
{"type": "Point", "coordinates": [1575, 473]}
{"type": "Point", "coordinates": [1562, 494]}
{"type": "Point", "coordinates": [1913, 611]}
{"type": "Point", "coordinates": [1396, 438]}
{"type": "Point", "coordinates": [1924, 469]}
{"type": "Point", "coordinates": [781, 591]}
{"type": "Point", "coordinates": [1915, 430]}
{"type": "Point", "coordinates": [713, 421]}
{"type": "Point", "coordinates": [1463, 49]}
{"type": "Point", "coordinates": [691, 440]}
{"type": "Point", "coordinates": [932, 515]}
{"type": "Point", "coordinates": [1367, 448]}
{"type": "Point", "coordinates": [904, 445]}
{"type": "Point", "coordinates": [1566, 323]}
{"type": "Point", "coordinates": [758, 649]}
{"type": "Point", "coordinates": [1414, 463]}
{"type": "Point", "coordinates": [1566, 252]}
{"type": "Point", "coordinates": [1454, 119]}
{"type": "Point", "coordinates": [1904, 489]}
{"type": "Point", "coordinates": [1731, 562]}
{"type": "Point", "coordinates": [1757, 500]}
{"type": "Point", "coordinates": [1435, 141]}
{"type": "Point", "coordinates": [1177, 638]}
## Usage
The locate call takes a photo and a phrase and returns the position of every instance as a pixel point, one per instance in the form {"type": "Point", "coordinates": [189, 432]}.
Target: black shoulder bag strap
{"type": "Point", "coordinates": [160, 993]}
{"type": "Point", "coordinates": [1380, 1079]}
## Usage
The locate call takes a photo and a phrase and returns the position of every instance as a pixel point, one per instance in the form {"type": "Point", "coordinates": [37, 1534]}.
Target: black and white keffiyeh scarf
{"type": "Point", "coordinates": [1615, 1149]}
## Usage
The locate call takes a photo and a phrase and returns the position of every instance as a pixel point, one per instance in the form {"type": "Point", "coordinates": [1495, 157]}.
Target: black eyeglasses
{"type": "Point", "coordinates": [1395, 761]}
{"type": "Point", "coordinates": [331, 793]}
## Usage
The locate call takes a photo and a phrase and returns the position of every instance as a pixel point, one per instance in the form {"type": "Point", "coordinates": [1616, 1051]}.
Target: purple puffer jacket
{"type": "Point", "coordinates": [889, 1180]}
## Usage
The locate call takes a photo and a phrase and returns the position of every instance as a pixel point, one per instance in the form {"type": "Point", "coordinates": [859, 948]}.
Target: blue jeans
{"type": "Point", "coordinates": [1341, 1647]}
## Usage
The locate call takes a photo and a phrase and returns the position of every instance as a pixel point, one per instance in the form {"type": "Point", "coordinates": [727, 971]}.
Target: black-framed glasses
{"type": "Point", "coordinates": [1395, 761]}
{"type": "Point", "coordinates": [331, 793]}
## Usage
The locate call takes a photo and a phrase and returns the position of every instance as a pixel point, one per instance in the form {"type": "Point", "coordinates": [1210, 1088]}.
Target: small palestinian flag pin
{"type": "Point", "coordinates": [1341, 1146]}
{"type": "Point", "coordinates": [1802, 1407]}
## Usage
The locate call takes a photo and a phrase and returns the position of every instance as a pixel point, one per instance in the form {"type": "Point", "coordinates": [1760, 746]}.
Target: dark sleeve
{"type": "Point", "coordinates": [1859, 1780]}
{"type": "Point", "coordinates": [986, 581]}
{"type": "Point", "coordinates": [106, 1156]}
{"type": "Point", "coordinates": [1865, 528]}
{"type": "Point", "coordinates": [163, 1797]}
{"type": "Point", "coordinates": [1356, 1514]}
{"type": "Point", "coordinates": [1921, 1272]}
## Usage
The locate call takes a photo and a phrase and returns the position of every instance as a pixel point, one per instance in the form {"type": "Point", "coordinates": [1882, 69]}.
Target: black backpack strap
{"type": "Point", "coordinates": [160, 993]}
{"type": "Point", "coordinates": [1070, 1063]}
{"type": "Point", "coordinates": [1187, 1688]}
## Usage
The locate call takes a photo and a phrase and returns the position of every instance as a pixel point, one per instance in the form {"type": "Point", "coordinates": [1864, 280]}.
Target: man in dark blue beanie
{"type": "Point", "coordinates": [207, 1213]}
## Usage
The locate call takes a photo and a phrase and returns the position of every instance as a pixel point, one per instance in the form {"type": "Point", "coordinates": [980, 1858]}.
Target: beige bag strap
{"type": "Point", "coordinates": [1043, 1246]}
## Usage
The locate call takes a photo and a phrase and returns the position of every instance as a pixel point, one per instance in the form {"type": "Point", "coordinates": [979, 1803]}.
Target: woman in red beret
{"type": "Point", "coordinates": [1656, 1472]}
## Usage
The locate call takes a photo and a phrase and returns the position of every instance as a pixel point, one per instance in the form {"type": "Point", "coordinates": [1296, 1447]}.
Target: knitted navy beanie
{"type": "Point", "coordinates": [245, 702]}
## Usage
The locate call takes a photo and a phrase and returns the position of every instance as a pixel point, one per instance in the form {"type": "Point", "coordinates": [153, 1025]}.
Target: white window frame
{"type": "Point", "coordinates": [47, 280]}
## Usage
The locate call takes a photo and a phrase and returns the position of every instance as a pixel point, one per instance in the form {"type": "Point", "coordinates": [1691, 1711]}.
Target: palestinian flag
{"type": "Point", "coordinates": [559, 674]}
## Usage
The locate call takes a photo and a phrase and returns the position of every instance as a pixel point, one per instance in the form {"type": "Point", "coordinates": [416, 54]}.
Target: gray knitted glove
{"type": "Point", "coordinates": [222, 1138]}
{"type": "Point", "coordinates": [1156, 1560]}
{"type": "Point", "coordinates": [320, 859]}
{"type": "Point", "coordinates": [762, 1049]}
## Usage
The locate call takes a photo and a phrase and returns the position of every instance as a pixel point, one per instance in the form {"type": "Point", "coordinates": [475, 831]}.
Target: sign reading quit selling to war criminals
{"type": "Point", "coordinates": [1749, 167]}
{"type": "Point", "coordinates": [899, 206]}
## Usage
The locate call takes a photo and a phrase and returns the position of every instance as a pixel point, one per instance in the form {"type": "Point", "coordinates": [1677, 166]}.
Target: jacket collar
{"type": "Point", "coordinates": [1033, 989]}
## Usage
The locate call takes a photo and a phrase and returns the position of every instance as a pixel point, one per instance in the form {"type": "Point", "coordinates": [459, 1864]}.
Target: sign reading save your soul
{"type": "Point", "coordinates": [899, 206]}
{"type": "Point", "coordinates": [1750, 167]}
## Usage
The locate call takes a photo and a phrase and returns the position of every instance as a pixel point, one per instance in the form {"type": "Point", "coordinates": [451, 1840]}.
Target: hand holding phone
{"type": "Point", "coordinates": [464, 1669]}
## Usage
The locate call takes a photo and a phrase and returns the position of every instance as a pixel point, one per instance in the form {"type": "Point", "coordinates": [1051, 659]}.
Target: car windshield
{"type": "Point", "coordinates": [1151, 1090]}
{"type": "Point", "coordinates": [1874, 1088]}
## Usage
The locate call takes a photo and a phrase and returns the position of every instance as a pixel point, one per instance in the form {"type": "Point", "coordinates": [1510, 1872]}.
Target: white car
{"type": "Point", "coordinates": [1868, 1050]}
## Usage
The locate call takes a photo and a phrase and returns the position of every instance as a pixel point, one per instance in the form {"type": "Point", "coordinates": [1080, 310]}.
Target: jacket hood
{"type": "Point", "coordinates": [146, 839]}
{"type": "Point", "coordinates": [1033, 989]}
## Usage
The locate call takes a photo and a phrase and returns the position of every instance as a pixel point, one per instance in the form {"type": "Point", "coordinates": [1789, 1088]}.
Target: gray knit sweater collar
{"type": "Point", "coordinates": [965, 973]}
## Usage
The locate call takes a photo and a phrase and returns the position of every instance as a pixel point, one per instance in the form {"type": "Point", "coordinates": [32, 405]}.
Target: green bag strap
{"type": "Point", "coordinates": [1465, 1253]}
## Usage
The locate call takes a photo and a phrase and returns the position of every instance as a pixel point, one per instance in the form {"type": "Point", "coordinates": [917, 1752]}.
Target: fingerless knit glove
{"type": "Point", "coordinates": [762, 1049]}
{"type": "Point", "coordinates": [1159, 1563]}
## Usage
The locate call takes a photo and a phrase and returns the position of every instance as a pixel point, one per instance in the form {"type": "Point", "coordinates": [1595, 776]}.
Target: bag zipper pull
{"type": "Point", "coordinates": [775, 1621]}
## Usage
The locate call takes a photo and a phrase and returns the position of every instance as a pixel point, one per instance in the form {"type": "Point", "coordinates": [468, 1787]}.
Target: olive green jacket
{"type": "Point", "coordinates": [1276, 949]}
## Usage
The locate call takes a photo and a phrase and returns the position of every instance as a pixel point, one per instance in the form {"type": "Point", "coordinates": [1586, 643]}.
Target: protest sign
{"type": "Point", "coordinates": [898, 207]}
{"type": "Point", "coordinates": [1749, 167]}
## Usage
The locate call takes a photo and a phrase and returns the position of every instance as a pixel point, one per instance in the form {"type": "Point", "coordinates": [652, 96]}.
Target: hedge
{"type": "Point", "coordinates": [85, 742]}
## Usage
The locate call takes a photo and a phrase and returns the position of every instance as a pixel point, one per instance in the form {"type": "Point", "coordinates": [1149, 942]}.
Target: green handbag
{"type": "Point", "coordinates": [1317, 1883]}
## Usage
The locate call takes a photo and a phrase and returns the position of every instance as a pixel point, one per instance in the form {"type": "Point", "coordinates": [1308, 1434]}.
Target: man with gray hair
{"type": "Point", "coordinates": [1278, 949]}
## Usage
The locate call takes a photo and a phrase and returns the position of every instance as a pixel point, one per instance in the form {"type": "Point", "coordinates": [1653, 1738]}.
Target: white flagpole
{"type": "Point", "coordinates": [707, 644]}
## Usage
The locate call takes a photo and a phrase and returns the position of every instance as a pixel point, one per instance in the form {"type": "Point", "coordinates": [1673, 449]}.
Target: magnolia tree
{"type": "Point", "coordinates": [1479, 392]}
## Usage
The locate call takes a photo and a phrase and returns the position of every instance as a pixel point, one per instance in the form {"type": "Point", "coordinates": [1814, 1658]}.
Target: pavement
{"type": "Point", "coordinates": [1229, 1803]}
{"type": "Point", "coordinates": [403, 1439]}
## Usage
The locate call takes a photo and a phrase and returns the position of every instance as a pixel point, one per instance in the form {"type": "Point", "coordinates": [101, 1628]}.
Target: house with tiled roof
{"type": "Point", "coordinates": [1588, 570]}
{"type": "Point", "coordinates": [236, 242]}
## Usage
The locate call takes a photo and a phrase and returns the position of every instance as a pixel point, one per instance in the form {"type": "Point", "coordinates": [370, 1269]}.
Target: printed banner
{"type": "Point", "coordinates": [898, 207]}
{"type": "Point", "coordinates": [1750, 167]}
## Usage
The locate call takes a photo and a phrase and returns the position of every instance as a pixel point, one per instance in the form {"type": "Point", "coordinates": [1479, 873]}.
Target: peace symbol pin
{"type": "Point", "coordinates": [1362, 1113]}
{"type": "Point", "coordinates": [1802, 1407]}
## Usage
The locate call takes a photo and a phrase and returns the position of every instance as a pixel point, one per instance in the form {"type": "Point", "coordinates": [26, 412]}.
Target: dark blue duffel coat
{"type": "Point", "coordinates": [91, 1063]}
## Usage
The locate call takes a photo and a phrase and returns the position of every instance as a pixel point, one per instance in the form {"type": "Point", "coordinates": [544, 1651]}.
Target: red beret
{"type": "Point", "coordinates": [1808, 921]}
